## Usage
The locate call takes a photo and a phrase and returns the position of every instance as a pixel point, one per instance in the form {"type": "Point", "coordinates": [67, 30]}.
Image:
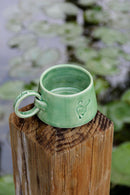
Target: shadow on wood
{"type": "Point", "coordinates": [54, 161]}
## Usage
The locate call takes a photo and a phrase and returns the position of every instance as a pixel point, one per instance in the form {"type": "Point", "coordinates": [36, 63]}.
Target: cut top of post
{"type": "Point", "coordinates": [54, 139]}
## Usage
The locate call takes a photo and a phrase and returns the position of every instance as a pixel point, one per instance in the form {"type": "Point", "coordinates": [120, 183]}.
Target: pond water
{"type": "Point", "coordinates": [5, 152]}
{"type": "Point", "coordinates": [6, 54]}
{"type": "Point", "coordinates": [88, 33]}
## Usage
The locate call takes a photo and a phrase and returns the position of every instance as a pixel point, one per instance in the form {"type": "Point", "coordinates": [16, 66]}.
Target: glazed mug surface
{"type": "Point", "coordinates": [65, 98]}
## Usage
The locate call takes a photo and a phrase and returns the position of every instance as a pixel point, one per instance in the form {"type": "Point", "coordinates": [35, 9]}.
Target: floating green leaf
{"type": "Point", "coordinates": [110, 52]}
{"type": "Point", "coordinates": [119, 20]}
{"type": "Point", "coordinates": [23, 41]}
{"type": "Point", "coordinates": [6, 185]}
{"type": "Point", "coordinates": [31, 6]}
{"type": "Point", "coordinates": [31, 86]}
{"type": "Point", "coordinates": [18, 60]}
{"type": "Point", "coordinates": [121, 165]}
{"type": "Point", "coordinates": [14, 24]}
{"type": "Point", "coordinates": [43, 28]}
{"type": "Point", "coordinates": [85, 54]}
{"type": "Point", "coordinates": [28, 7]}
{"type": "Point", "coordinates": [102, 62]}
{"type": "Point", "coordinates": [10, 89]}
{"type": "Point", "coordinates": [103, 66]}
{"type": "Point", "coordinates": [103, 109]}
{"type": "Point", "coordinates": [48, 57]}
{"type": "Point", "coordinates": [110, 36]}
{"type": "Point", "coordinates": [119, 6]}
{"type": "Point", "coordinates": [69, 30]}
{"type": "Point", "coordinates": [126, 96]}
{"type": "Point", "coordinates": [96, 16]}
{"type": "Point", "coordinates": [59, 10]}
{"type": "Point", "coordinates": [100, 85]}
{"type": "Point", "coordinates": [29, 65]}
{"type": "Point", "coordinates": [87, 2]}
{"type": "Point", "coordinates": [41, 3]}
{"type": "Point", "coordinates": [126, 56]}
{"type": "Point", "coordinates": [119, 113]}
{"type": "Point", "coordinates": [24, 69]}
{"type": "Point", "coordinates": [32, 54]}
{"type": "Point", "coordinates": [76, 42]}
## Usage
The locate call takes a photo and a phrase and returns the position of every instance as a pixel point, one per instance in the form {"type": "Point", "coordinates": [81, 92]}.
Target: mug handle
{"type": "Point", "coordinates": [38, 104]}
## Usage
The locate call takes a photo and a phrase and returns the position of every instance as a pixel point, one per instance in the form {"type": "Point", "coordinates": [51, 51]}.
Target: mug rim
{"type": "Point", "coordinates": [66, 65]}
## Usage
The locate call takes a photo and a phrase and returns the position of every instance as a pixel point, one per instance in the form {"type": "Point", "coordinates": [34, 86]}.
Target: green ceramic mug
{"type": "Point", "coordinates": [65, 98]}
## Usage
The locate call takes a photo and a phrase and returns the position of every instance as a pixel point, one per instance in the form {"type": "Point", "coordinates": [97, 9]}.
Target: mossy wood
{"type": "Point", "coordinates": [54, 161]}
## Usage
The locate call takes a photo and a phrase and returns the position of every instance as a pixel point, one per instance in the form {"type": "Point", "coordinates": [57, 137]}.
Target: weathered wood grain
{"type": "Point", "coordinates": [54, 161]}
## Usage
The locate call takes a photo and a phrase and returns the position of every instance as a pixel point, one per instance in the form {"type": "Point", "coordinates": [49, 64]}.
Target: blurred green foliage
{"type": "Point", "coordinates": [97, 42]}
{"type": "Point", "coordinates": [121, 164]}
{"type": "Point", "coordinates": [6, 185]}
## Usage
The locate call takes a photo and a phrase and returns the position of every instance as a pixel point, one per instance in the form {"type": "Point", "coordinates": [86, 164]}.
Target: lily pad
{"type": "Point", "coordinates": [14, 24]}
{"type": "Point", "coordinates": [85, 54]}
{"type": "Point", "coordinates": [119, 20]}
{"type": "Point", "coordinates": [69, 30]}
{"type": "Point", "coordinates": [100, 85]}
{"type": "Point", "coordinates": [121, 165]}
{"type": "Point", "coordinates": [43, 28]}
{"type": "Point", "coordinates": [10, 89]}
{"type": "Point", "coordinates": [76, 42]}
{"type": "Point", "coordinates": [32, 5]}
{"type": "Point", "coordinates": [32, 54]}
{"type": "Point", "coordinates": [28, 7]}
{"type": "Point", "coordinates": [110, 36]}
{"type": "Point", "coordinates": [103, 109]}
{"type": "Point", "coordinates": [119, 113]}
{"type": "Point", "coordinates": [87, 2]}
{"type": "Point", "coordinates": [41, 3]}
{"type": "Point", "coordinates": [126, 96]}
{"type": "Point", "coordinates": [119, 6]}
{"type": "Point", "coordinates": [6, 185]}
{"type": "Point", "coordinates": [29, 65]}
{"type": "Point", "coordinates": [23, 41]}
{"type": "Point", "coordinates": [113, 53]}
{"type": "Point", "coordinates": [126, 56]}
{"type": "Point", "coordinates": [31, 86]}
{"type": "Point", "coordinates": [25, 69]}
{"type": "Point", "coordinates": [48, 57]}
{"type": "Point", "coordinates": [18, 60]}
{"type": "Point", "coordinates": [110, 52]}
{"type": "Point", "coordinates": [59, 10]}
{"type": "Point", "coordinates": [103, 66]}
{"type": "Point", "coordinates": [66, 30]}
{"type": "Point", "coordinates": [96, 16]}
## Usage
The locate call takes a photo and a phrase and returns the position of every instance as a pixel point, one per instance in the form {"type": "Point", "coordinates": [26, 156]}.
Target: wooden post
{"type": "Point", "coordinates": [54, 161]}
